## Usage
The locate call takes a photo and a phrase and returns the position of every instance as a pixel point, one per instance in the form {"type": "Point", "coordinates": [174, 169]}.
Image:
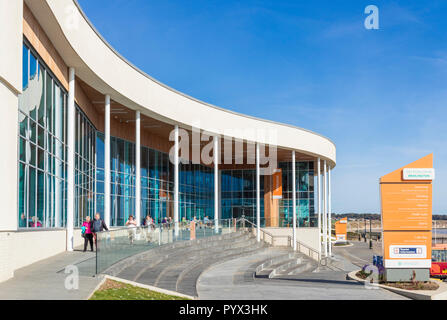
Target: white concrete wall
{"type": "Point", "coordinates": [6, 259]}
{"type": "Point", "coordinates": [77, 239]}
{"type": "Point", "coordinates": [19, 249]}
{"type": "Point", "coordinates": [22, 248]}
{"type": "Point", "coordinates": [11, 13]}
{"type": "Point", "coordinates": [31, 246]}
{"type": "Point", "coordinates": [8, 161]}
{"type": "Point", "coordinates": [11, 17]}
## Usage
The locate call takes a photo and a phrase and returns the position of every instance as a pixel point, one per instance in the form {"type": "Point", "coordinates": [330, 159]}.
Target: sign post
{"type": "Point", "coordinates": [406, 200]}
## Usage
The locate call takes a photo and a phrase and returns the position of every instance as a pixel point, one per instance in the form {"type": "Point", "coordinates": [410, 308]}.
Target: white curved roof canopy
{"type": "Point", "coordinates": [101, 67]}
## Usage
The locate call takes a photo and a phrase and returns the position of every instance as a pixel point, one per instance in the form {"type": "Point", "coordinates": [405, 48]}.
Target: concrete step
{"type": "Point", "coordinates": [264, 269]}
{"type": "Point", "coordinates": [154, 254]}
{"type": "Point", "coordinates": [279, 268]}
{"type": "Point", "coordinates": [161, 268]}
{"type": "Point", "coordinates": [291, 263]}
{"type": "Point", "coordinates": [214, 247]}
{"type": "Point", "coordinates": [173, 269]}
{"type": "Point", "coordinates": [304, 266]}
{"type": "Point", "coordinates": [187, 282]}
{"type": "Point", "coordinates": [178, 266]}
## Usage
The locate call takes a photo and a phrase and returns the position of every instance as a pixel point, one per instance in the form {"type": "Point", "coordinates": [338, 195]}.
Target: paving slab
{"type": "Point", "coordinates": [223, 281]}
{"type": "Point", "coordinates": [45, 280]}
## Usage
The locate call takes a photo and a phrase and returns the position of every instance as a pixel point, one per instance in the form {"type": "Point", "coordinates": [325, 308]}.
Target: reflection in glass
{"type": "Point", "coordinates": [41, 200]}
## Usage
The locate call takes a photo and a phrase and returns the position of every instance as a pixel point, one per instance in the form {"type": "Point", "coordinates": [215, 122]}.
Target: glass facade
{"type": "Point", "coordinates": [196, 184]}
{"type": "Point", "coordinates": [85, 168]}
{"type": "Point", "coordinates": [42, 170]}
{"type": "Point", "coordinates": [122, 179]}
{"type": "Point", "coordinates": [304, 194]}
{"type": "Point", "coordinates": [42, 149]}
{"type": "Point", "coordinates": [196, 191]}
{"type": "Point", "coordinates": [238, 194]}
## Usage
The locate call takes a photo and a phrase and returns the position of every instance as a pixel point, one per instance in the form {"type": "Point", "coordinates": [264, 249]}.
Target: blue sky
{"type": "Point", "coordinates": [380, 95]}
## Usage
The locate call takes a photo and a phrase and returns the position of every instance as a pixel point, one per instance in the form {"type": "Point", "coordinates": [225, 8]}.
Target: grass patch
{"type": "Point", "coordinates": [114, 290]}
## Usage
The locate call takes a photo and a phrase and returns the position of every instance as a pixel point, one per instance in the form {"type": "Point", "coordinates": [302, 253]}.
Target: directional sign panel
{"type": "Point", "coordinates": [406, 206]}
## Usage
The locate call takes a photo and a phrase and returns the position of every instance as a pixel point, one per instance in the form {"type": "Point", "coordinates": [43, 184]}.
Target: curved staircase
{"type": "Point", "coordinates": [177, 266]}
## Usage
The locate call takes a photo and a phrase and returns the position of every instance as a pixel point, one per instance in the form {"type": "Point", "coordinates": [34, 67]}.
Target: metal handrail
{"type": "Point", "coordinates": [163, 225]}
{"type": "Point", "coordinates": [309, 248]}
{"type": "Point", "coordinates": [311, 251]}
{"type": "Point", "coordinates": [263, 232]}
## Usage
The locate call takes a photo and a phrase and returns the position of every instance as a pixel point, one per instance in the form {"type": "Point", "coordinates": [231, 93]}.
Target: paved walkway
{"type": "Point", "coordinates": [45, 280]}
{"type": "Point", "coordinates": [359, 254]}
{"type": "Point", "coordinates": [232, 280]}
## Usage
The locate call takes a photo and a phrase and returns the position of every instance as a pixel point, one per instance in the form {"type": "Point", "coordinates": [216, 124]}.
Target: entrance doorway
{"type": "Point", "coordinates": [239, 211]}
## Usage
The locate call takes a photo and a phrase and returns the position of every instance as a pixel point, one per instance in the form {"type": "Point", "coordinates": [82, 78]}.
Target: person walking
{"type": "Point", "coordinates": [98, 225]}
{"type": "Point", "coordinates": [87, 233]}
{"type": "Point", "coordinates": [148, 224]}
{"type": "Point", "coordinates": [206, 221]}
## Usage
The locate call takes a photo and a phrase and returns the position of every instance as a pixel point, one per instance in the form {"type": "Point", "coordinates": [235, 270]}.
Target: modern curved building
{"type": "Point", "coordinates": [83, 131]}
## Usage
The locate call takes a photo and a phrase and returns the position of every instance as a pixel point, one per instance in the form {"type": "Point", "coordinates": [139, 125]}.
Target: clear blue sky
{"type": "Point", "coordinates": [380, 95]}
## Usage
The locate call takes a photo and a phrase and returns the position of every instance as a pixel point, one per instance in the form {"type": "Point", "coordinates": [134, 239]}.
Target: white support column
{"type": "Point", "coordinates": [294, 198]}
{"type": "Point", "coordinates": [220, 196]}
{"type": "Point", "coordinates": [258, 196]}
{"type": "Point", "coordinates": [176, 182]}
{"type": "Point", "coordinates": [138, 169]}
{"type": "Point", "coordinates": [319, 203]}
{"type": "Point", "coordinates": [107, 197]}
{"type": "Point", "coordinates": [325, 222]}
{"type": "Point", "coordinates": [329, 211]}
{"type": "Point", "coordinates": [70, 158]}
{"type": "Point", "coordinates": [216, 183]}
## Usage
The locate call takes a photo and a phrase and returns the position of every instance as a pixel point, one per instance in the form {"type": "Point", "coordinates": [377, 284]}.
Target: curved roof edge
{"type": "Point", "coordinates": [106, 70]}
{"type": "Point", "coordinates": [182, 93]}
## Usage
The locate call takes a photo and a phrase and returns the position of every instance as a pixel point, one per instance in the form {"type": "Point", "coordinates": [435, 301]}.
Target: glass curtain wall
{"type": "Point", "coordinates": [196, 184]}
{"type": "Point", "coordinates": [42, 169]}
{"type": "Point", "coordinates": [122, 179]}
{"type": "Point", "coordinates": [238, 193]}
{"type": "Point", "coordinates": [196, 191]}
{"type": "Point", "coordinates": [304, 194]}
{"type": "Point", "coordinates": [85, 151]}
{"type": "Point", "coordinates": [42, 148]}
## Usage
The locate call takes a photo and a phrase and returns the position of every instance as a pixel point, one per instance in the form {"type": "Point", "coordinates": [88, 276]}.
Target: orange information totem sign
{"type": "Point", "coordinates": [341, 233]}
{"type": "Point", "coordinates": [406, 199]}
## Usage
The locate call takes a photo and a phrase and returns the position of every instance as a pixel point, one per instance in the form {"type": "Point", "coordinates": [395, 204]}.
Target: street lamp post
{"type": "Point", "coordinates": [364, 220]}
{"type": "Point", "coordinates": [358, 228]}
{"type": "Point", "coordinates": [370, 235]}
